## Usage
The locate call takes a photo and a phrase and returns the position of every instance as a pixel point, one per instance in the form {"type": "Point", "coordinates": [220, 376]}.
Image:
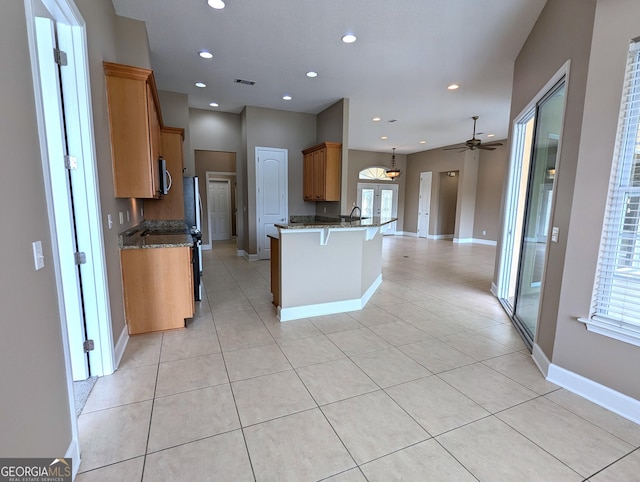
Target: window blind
{"type": "Point", "coordinates": [616, 300]}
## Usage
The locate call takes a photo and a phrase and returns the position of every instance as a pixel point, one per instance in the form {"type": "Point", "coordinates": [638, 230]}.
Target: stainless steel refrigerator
{"type": "Point", "coordinates": [192, 216]}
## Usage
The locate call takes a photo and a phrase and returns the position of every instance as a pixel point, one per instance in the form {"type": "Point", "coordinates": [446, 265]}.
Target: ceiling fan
{"type": "Point", "coordinates": [473, 143]}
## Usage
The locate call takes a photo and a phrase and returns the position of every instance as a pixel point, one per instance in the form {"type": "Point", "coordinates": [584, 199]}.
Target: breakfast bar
{"type": "Point", "coordinates": [326, 265]}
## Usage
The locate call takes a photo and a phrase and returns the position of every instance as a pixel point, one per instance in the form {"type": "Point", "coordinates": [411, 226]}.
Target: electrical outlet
{"type": "Point", "coordinates": [109, 221]}
{"type": "Point", "coordinates": [121, 217]}
{"type": "Point", "coordinates": [484, 233]}
{"type": "Point", "coordinates": [128, 216]}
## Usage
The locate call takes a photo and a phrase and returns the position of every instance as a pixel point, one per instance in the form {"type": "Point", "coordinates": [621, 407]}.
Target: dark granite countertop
{"type": "Point", "coordinates": [335, 222]}
{"type": "Point", "coordinates": [156, 234]}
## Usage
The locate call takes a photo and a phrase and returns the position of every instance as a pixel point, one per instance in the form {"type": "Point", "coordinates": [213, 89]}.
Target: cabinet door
{"type": "Point", "coordinates": [171, 206]}
{"type": "Point", "coordinates": [154, 141]}
{"type": "Point", "coordinates": [158, 288]}
{"type": "Point", "coordinates": [307, 187]}
{"type": "Point", "coordinates": [332, 166]}
{"type": "Point", "coordinates": [319, 176]}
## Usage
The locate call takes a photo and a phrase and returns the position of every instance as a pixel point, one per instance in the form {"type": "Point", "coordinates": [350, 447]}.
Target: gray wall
{"type": "Point", "coordinates": [359, 160]}
{"type": "Point", "coordinates": [562, 32]}
{"type": "Point", "coordinates": [103, 29]}
{"type": "Point", "coordinates": [35, 415]}
{"type": "Point", "coordinates": [602, 359]}
{"type": "Point", "coordinates": [279, 129]}
{"type": "Point", "coordinates": [175, 113]}
{"type": "Point", "coordinates": [36, 402]}
{"type": "Point", "coordinates": [484, 199]}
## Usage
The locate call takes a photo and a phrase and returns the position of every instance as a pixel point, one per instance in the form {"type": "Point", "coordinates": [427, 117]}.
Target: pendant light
{"type": "Point", "coordinates": [393, 171]}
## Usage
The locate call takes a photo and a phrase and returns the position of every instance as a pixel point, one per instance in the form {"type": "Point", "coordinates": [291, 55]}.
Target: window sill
{"type": "Point", "coordinates": [624, 332]}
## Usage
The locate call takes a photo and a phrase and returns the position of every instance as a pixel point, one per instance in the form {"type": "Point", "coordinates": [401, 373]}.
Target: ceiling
{"type": "Point", "coordinates": [406, 54]}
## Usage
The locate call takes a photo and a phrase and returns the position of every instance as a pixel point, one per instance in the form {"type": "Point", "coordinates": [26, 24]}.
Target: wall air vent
{"type": "Point", "coordinates": [245, 82]}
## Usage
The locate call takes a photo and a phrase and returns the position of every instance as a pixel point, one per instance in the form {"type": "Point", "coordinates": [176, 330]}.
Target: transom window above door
{"type": "Point", "coordinates": [374, 174]}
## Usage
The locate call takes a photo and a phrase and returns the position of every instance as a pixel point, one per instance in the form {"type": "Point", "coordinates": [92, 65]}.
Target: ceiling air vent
{"type": "Point", "coordinates": [391, 121]}
{"type": "Point", "coordinates": [245, 82]}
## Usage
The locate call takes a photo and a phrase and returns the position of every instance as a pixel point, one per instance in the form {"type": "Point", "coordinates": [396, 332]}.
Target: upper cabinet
{"type": "Point", "coordinates": [322, 167]}
{"type": "Point", "coordinates": [135, 122]}
{"type": "Point", "coordinates": [171, 206]}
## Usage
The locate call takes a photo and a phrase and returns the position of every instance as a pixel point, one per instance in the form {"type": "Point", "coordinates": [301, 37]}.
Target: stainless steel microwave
{"type": "Point", "coordinates": [165, 177]}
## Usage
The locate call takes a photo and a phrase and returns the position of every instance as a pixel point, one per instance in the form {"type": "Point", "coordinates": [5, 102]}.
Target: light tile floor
{"type": "Point", "coordinates": [429, 382]}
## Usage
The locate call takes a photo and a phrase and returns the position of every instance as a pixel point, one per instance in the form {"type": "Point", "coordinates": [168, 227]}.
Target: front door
{"type": "Point", "coordinates": [271, 195]}
{"type": "Point", "coordinates": [379, 200]}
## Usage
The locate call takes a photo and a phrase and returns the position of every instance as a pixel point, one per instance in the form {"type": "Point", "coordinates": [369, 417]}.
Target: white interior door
{"type": "Point", "coordinates": [424, 206]}
{"type": "Point", "coordinates": [271, 195]}
{"type": "Point", "coordinates": [219, 201]}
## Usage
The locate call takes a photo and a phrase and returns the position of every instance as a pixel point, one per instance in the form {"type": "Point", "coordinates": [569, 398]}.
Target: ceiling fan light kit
{"type": "Point", "coordinates": [473, 143]}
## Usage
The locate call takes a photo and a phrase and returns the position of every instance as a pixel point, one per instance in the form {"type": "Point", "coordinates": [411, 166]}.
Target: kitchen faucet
{"type": "Point", "coordinates": [353, 210]}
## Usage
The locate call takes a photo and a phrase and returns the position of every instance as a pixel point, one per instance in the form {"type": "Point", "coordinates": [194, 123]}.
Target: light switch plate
{"type": "Point", "coordinates": [38, 256]}
{"type": "Point", "coordinates": [554, 234]}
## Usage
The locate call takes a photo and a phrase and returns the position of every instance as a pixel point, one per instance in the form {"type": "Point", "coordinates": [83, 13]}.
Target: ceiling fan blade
{"type": "Point", "coordinates": [451, 148]}
{"type": "Point", "coordinates": [485, 148]}
{"type": "Point", "coordinates": [492, 144]}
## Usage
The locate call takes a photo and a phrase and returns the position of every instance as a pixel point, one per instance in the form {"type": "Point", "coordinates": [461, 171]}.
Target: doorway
{"type": "Point", "coordinates": [219, 208]}
{"type": "Point", "coordinates": [529, 209]}
{"type": "Point", "coordinates": [271, 195]}
{"type": "Point", "coordinates": [379, 200]}
{"type": "Point", "coordinates": [65, 126]}
{"type": "Point", "coordinates": [424, 204]}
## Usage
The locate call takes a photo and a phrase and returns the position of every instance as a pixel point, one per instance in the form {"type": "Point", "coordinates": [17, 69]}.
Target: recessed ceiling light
{"type": "Point", "coordinates": [217, 4]}
{"type": "Point", "coordinates": [376, 119]}
{"type": "Point", "coordinates": [286, 97]}
{"type": "Point", "coordinates": [311, 74]}
{"type": "Point", "coordinates": [384, 138]}
{"type": "Point", "coordinates": [453, 87]}
{"type": "Point", "coordinates": [491, 135]}
{"type": "Point", "coordinates": [213, 104]}
{"type": "Point", "coordinates": [202, 85]}
{"type": "Point", "coordinates": [423, 142]}
{"type": "Point", "coordinates": [205, 54]}
{"type": "Point", "coordinates": [349, 38]}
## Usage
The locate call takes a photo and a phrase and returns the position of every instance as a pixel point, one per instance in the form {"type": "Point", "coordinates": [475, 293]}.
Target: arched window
{"type": "Point", "coordinates": [374, 174]}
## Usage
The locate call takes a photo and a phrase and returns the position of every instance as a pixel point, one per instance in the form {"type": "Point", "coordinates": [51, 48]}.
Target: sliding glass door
{"type": "Point", "coordinates": [527, 219]}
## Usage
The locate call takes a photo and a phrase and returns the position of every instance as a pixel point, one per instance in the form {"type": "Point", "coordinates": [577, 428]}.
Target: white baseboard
{"type": "Point", "coordinates": [249, 257]}
{"type": "Point", "coordinates": [121, 345]}
{"type": "Point", "coordinates": [73, 452]}
{"type": "Point", "coordinates": [488, 242]}
{"type": "Point", "coordinates": [494, 289]}
{"type": "Point", "coordinates": [439, 236]}
{"type": "Point", "coordinates": [206, 247]}
{"type": "Point", "coordinates": [320, 309]}
{"type": "Point", "coordinates": [595, 392]}
{"type": "Point", "coordinates": [407, 233]}
{"type": "Point", "coordinates": [462, 240]}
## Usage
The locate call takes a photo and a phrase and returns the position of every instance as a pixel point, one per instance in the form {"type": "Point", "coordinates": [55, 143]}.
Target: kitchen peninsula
{"type": "Point", "coordinates": [323, 265]}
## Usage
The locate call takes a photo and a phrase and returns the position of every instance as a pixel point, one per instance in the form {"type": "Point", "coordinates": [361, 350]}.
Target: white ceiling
{"type": "Point", "coordinates": [406, 54]}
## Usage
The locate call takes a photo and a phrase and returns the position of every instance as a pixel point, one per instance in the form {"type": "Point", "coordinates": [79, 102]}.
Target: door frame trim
{"type": "Point", "coordinates": [501, 287]}
{"type": "Point", "coordinates": [214, 176]}
{"type": "Point", "coordinates": [286, 190]}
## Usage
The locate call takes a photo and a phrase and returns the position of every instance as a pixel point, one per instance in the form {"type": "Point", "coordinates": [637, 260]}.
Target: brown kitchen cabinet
{"type": "Point", "coordinates": [158, 288]}
{"type": "Point", "coordinates": [171, 206]}
{"type": "Point", "coordinates": [135, 121]}
{"type": "Point", "coordinates": [321, 172]}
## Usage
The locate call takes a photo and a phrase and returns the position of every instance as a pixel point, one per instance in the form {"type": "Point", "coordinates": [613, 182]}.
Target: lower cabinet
{"type": "Point", "coordinates": [158, 288]}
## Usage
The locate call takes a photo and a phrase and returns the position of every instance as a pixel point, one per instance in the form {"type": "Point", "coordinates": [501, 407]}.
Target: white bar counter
{"type": "Point", "coordinates": [327, 266]}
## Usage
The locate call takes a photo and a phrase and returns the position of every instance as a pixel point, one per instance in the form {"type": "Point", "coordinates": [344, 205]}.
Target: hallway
{"type": "Point", "coordinates": [429, 382]}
